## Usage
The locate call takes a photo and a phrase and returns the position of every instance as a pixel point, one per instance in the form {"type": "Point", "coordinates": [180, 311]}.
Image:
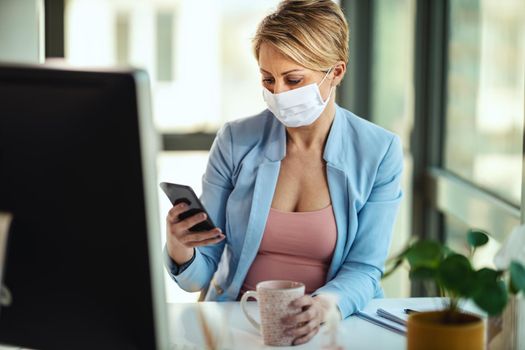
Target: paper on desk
{"type": "Point", "coordinates": [382, 322]}
{"type": "Point", "coordinates": [395, 307]}
{"type": "Point", "coordinates": [396, 315]}
{"type": "Point", "coordinates": [399, 315]}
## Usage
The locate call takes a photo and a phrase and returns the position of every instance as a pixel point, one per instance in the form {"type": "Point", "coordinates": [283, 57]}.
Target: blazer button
{"type": "Point", "coordinates": [218, 289]}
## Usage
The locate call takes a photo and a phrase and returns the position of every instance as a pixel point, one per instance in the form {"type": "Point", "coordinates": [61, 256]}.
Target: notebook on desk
{"type": "Point", "coordinates": [390, 313]}
{"type": "Point", "coordinates": [380, 321]}
{"type": "Point", "coordinates": [396, 315]}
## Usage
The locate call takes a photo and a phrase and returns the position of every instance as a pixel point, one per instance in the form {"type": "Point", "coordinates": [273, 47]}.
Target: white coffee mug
{"type": "Point", "coordinates": [274, 298]}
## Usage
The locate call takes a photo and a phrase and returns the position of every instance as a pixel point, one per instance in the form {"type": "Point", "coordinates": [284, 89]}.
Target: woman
{"type": "Point", "coordinates": [305, 190]}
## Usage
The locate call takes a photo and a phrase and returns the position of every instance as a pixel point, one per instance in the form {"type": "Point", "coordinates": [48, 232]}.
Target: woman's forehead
{"type": "Point", "coordinates": [272, 61]}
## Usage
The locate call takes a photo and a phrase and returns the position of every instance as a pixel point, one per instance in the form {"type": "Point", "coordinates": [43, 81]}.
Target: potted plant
{"type": "Point", "coordinates": [456, 279]}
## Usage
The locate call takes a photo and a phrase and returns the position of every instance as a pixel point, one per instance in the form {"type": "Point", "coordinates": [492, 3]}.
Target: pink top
{"type": "Point", "coordinates": [295, 246]}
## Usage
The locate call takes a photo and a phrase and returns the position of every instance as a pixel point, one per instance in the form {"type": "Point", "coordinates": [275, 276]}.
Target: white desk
{"type": "Point", "coordinates": [354, 333]}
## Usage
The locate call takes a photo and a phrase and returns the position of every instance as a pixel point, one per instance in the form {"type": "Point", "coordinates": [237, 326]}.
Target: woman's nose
{"type": "Point", "coordinates": [279, 87]}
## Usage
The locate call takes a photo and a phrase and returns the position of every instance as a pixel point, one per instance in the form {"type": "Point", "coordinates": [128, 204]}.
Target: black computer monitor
{"type": "Point", "coordinates": [78, 175]}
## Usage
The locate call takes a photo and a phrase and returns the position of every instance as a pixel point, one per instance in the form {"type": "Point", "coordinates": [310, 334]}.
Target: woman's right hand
{"type": "Point", "coordinates": [180, 241]}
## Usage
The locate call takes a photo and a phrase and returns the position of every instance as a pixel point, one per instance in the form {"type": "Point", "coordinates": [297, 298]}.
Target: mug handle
{"type": "Point", "coordinates": [244, 299]}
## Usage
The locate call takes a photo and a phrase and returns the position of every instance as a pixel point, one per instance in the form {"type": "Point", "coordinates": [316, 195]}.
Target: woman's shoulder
{"type": "Point", "coordinates": [366, 142]}
{"type": "Point", "coordinates": [365, 130]}
{"type": "Point", "coordinates": [249, 135]}
{"type": "Point", "coordinates": [251, 126]}
{"type": "Point", "coordinates": [248, 131]}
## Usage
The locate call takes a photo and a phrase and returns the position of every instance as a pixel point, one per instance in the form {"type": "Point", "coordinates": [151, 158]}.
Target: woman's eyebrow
{"type": "Point", "coordinates": [283, 73]}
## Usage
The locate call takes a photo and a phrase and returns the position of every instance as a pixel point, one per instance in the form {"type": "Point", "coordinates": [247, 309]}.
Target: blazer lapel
{"type": "Point", "coordinates": [337, 186]}
{"type": "Point", "coordinates": [265, 183]}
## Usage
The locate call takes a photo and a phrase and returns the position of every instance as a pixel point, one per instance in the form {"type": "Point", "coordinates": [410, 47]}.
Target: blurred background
{"type": "Point", "coordinates": [447, 76]}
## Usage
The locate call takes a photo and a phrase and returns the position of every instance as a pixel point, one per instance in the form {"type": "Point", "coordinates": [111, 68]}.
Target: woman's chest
{"type": "Point", "coordinates": [301, 186]}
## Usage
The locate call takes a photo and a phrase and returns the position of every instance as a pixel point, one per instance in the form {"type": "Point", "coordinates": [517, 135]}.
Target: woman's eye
{"type": "Point", "coordinates": [293, 80]}
{"type": "Point", "coordinates": [267, 81]}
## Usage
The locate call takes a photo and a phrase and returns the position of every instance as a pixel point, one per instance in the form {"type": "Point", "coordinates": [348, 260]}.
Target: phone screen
{"type": "Point", "coordinates": [184, 194]}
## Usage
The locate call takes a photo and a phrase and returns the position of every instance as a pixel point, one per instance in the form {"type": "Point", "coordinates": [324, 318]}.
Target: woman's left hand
{"type": "Point", "coordinates": [303, 326]}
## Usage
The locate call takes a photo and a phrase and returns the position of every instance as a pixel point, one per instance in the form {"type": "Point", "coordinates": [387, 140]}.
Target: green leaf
{"type": "Point", "coordinates": [491, 297]}
{"type": "Point", "coordinates": [517, 276]}
{"type": "Point", "coordinates": [423, 273]}
{"type": "Point", "coordinates": [477, 238]}
{"type": "Point", "coordinates": [424, 254]}
{"type": "Point", "coordinates": [455, 274]}
{"type": "Point", "coordinates": [486, 275]}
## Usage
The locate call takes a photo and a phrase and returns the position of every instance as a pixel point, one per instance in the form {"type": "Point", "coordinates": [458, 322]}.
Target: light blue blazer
{"type": "Point", "coordinates": [364, 166]}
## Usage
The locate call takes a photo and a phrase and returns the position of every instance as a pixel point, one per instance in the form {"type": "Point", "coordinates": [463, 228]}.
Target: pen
{"type": "Point", "coordinates": [409, 311]}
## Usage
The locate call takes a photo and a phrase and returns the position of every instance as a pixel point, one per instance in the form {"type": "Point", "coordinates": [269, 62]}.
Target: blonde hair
{"type": "Point", "coordinates": [313, 33]}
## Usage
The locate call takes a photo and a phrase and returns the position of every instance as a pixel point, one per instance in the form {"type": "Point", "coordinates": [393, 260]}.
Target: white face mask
{"type": "Point", "coordinates": [297, 107]}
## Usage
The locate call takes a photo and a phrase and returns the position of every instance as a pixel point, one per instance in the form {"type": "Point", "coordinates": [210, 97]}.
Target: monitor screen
{"type": "Point", "coordinates": [77, 174]}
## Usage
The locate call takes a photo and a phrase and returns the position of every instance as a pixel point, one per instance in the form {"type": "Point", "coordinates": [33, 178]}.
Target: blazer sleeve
{"type": "Point", "coordinates": [358, 279]}
{"type": "Point", "coordinates": [216, 188]}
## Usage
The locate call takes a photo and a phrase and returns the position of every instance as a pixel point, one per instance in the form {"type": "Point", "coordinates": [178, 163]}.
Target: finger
{"type": "Point", "coordinates": [305, 329]}
{"type": "Point", "coordinates": [175, 211]}
{"type": "Point", "coordinates": [191, 221]}
{"type": "Point", "coordinates": [195, 237]}
{"type": "Point", "coordinates": [303, 317]}
{"type": "Point", "coordinates": [206, 242]}
{"type": "Point", "coordinates": [306, 338]}
{"type": "Point", "coordinates": [305, 300]}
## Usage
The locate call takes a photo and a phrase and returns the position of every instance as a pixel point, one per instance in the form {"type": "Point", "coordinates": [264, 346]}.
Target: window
{"type": "Point", "coordinates": [485, 99]}
{"type": "Point", "coordinates": [122, 38]}
{"type": "Point", "coordinates": [391, 106]}
{"type": "Point", "coordinates": [201, 66]}
{"type": "Point", "coordinates": [165, 46]}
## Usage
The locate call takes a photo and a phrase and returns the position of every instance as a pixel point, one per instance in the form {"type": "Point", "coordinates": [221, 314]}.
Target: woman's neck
{"type": "Point", "coordinates": [312, 137]}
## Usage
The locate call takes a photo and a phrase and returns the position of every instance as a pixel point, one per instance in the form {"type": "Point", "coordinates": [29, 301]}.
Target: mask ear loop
{"type": "Point", "coordinates": [322, 81]}
{"type": "Point", "coordinates": [331, 88]}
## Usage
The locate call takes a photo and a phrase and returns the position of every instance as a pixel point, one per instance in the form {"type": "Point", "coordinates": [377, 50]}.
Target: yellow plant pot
{"type": "Point", "coordinates": [429, 331]}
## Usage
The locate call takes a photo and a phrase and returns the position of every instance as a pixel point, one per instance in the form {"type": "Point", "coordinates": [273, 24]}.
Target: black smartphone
{"type": "Point", "coordinates": [184, 194]}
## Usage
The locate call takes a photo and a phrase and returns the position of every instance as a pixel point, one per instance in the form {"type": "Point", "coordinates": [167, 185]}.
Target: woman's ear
{"type": "Point", "coordinates": [338, 73]}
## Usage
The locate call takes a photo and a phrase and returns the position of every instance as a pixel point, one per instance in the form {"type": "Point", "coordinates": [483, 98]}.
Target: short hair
{"type": "Point", "coordinates": [313, 33]}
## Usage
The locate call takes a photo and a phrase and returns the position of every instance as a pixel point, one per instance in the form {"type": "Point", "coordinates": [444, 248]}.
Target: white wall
{"type": "Point", "coordinates": [22, 31]}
